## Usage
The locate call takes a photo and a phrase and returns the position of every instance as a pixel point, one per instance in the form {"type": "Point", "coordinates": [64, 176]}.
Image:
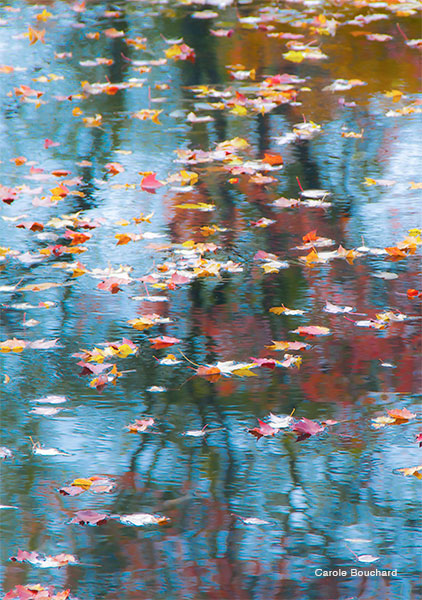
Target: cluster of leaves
{"type": "Point", "coordinates": [247, 93]}
{"type": "Point", "coordinates": [36, 592]}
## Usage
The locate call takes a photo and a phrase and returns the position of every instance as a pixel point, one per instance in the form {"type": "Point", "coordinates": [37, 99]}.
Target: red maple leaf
{"type": "Point", "coordinates": [112, 284]}
{"type": "Point", "coordinates": [269, 363]}
{"type": "Point", "coordinates": [305, 428]}
{"type": "Point", "coordinates": [163, 341]}
{"type": "Point", "coordinates": [263, 430]}
{"type": "Point", "coordinates": [310, 237]}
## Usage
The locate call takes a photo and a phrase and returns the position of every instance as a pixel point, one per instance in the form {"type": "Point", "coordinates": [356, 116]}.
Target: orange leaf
{"type": "Point", "coordinates": [163, 342]}
{"type": "Point", "coordinates": [36, 35]}
{"type": "Point", "coordinates": [310, 237]}
{"type": "Point", "coordinates": [60, 173]}
{"type": "Point", "coordinates": [19, 160]}
{"type": "Point", "coordinates": [114, 168]}
{"type": "Point", "coordinates": [32, 225]}
{"type": "Point", "coordinates": [312, 257]}
{"type": "Point", "coordinates": [416, 471]}
{"type": "Point", "coordinates": [411, 293]}
{"type": "Point", "coordinates": [401, 414]}
{"type": "Point", "coordinates": [396, 252]}
{"type": "Point", "coordinates": [273, 159]}
{"type": "Point", "coordinates": [210, 373]}
{"type": "Point", "coordinates": [112, 32]}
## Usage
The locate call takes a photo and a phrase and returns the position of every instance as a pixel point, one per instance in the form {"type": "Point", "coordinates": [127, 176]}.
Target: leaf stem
{"type": "Point", "coordinates": [299, 184]}
{"type": "Point", "coordinates": [191, 362]}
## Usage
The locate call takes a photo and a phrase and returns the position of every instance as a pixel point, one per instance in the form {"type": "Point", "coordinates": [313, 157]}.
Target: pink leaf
{"type": "Point", "coordinates": [305, 428]}
{"type": "Point", "coordinates": [263, 430]}
{"type": "Point", "coordinates": [89, 517]}
{"type": "Point", "coordinates": [50, 144]}
{"type": "Point", "coordinates": [269, 363]}
{"type": "Point", "coordinates": [149, 183]}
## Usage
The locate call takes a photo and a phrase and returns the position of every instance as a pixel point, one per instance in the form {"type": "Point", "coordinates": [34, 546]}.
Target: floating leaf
{"type": "Point", "coordinates": [163, 341]}
{"type": "Point", "coordinates": [367, 558]}
{"type": "Point", "coordinates": [142, 519]}
{"type": "Point", "coordinates": [140, 425]}
{"type": "Point", "coordinates": [43, 561]}
{"type": "Point", "coordinates": [312, 330]}
{"type": "Point", "coordinates": [415, 471]}
{"type": "Point", "coordinates": [254, 521]}
{"type": "Point", "coordinates": [306, 428]}
{"type": "Point", "coordinates": [149, 183]}
{"type": "Point", "coordinates": [401, 415]}
{"type": "Point", "coordinates": [89, 517]}
{"type": "Point", "coordinates": [263, 430]}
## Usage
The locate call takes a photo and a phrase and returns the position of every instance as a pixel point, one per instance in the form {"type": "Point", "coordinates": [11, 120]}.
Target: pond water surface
{"type": "Point", "coordinates": [217, 243]}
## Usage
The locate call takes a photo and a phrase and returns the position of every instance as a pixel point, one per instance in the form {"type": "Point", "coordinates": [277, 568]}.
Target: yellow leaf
{"type": "Point", "coordinates": [312, 257]}
{"type": "Point", "coordinates": [294, 56]}
{"type": "Point", "coordinates": [237, 142]}
{"type": "Point", "coordinates": [82, 482]}
{"type": "Point", "coordinates": [244, 373]}
{"type": "Point", "coordinates": [277, 310]}
{"type": "Point", "coordinates": [269, 268]}
{"type": "Point", "coordinates": [278, 346]}
{"type": "Point", "coordinates": [13, 345]}
{"type": "Point", "coordinates": [35, 35]}
{"type": "Point", "coordinates": [141, 323]}
{"type": "Point", "coordinates": [93, 121]}
{"type": "Point", "coordinates": [122, 238]}
{"type": "Point", "coordinates": [239, 110]}
{"type": "Point", "coordinates": [124, 350]}
{"type": "Point", "coordinates": [188, 177]}
{"type": "Point", "coordinates": [146, 113]}
{"type": "Point", "coordinates": [44, 15]}
{"type": "Point", "coordinates": [173, 51]}
{"type": "Point", "coordinates": [142, 219]}
{"type": "Point", "coordinates": [96, 355]}
{"type": "Point", "coordinates": [382, 422]}
{"type": "Point", "coordinates": [206, 231]}
{"type": "Point", "coordinates": [199, 206]}
{"type": "Point", "coordinates": [78, 272]}
{"type": "Point", "coordinates": [416, 471]}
